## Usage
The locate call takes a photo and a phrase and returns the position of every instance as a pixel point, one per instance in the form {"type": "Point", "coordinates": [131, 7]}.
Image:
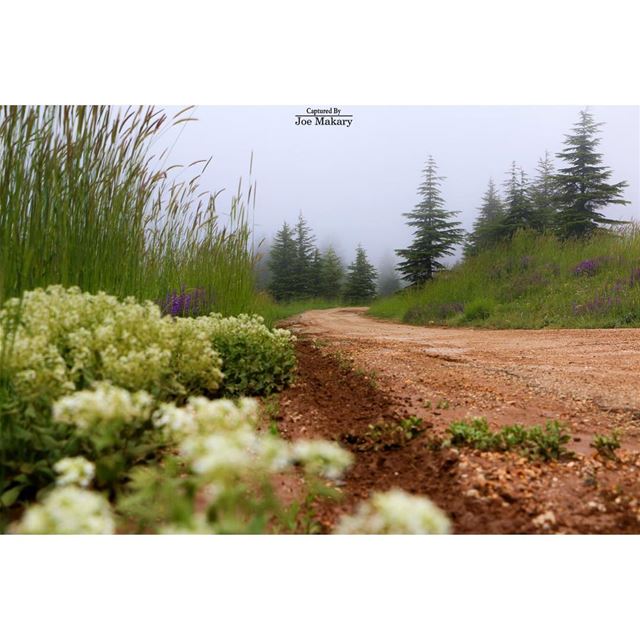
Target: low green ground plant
{"type": "Point", "coordinates": [388, 435]}
{"type": "Point", "coordinates": [607, 444]}
{"type": "Point", "coordinates": [537, 443]}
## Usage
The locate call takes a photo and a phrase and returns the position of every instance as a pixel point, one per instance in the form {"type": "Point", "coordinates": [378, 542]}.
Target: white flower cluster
{"type": "Point", "coordinates": [69, 510]}
{"type": "Point", "coordinates": [199, 525]}
{"type": "Point", "coordinates": [322, 457]}
{"type": "Point", "coordinates": [78, 471]}
{"type": "Point", "coordinates": [105, 404]}
{"type": "Point", "coordinates": [220, 441]}
{"type": "Point", "coordinates": [257, 360]}
{"type": "Point", "coordinates": [395, 512]}
{"type": "Point", "coordinates": [61, 337]}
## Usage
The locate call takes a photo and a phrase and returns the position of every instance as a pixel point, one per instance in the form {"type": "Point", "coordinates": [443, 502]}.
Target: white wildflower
{"type": "Point", "coordinates": [322, 457]}
{"type": "Point", "coordinates": [224, 415]}
{"type": "Point", "coordinates": [104, 404]}
{"type": "Point", "coordinates": [197, 526]}
{"type": "Point", "coordinates": [220, 453]}
{"type": "Point", "coordinates": [69, 510]}
{"type": "Point", "coordinates": [66, 336]}
{"type": "Point", "coordinates": [77, 471]}
{"type": "Point", "coordinates": [181, 422]}
{"type": "Point", "coordinates": [395, 512]}
{"type": "Point", "coordinates": [273, 454]}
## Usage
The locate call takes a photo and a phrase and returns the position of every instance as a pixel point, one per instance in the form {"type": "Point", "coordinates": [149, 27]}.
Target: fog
{"type": "Point", "coordinates": [354, 183]}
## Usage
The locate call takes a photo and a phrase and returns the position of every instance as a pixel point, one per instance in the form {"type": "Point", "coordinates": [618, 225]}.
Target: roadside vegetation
{"type": "Point", "coordinates": [87, 198]}
{"type": "Point", "coordinates": [130, 365]}
{"type": "Point", "coordinates": [532, 281]}
{"type": "Point", "coordinates": [540, 254]}
{"type": "Point", "coordinates": [537, 443]}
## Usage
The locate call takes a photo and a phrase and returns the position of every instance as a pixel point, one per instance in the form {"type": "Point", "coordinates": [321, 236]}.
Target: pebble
{"type": "Point", "coordinates": [545, 520]}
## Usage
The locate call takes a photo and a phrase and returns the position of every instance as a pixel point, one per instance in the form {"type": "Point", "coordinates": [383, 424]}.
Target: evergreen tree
{"type": "Point", "coordinates": [360, 286]}
{"type": "Point", "coordinates": [543, 195]}
{"type": "Point", "coordinates": [435, 232]}
{"type": "Point", "coordinates": [519, 212]}
{"type": "Point", "coordinates": [282, 264]}
{"type": "Point", "coordinates": [305, 248]}
{"type": "Point", "coordinates": [583, 185]}
{"type": "Point", "coordinates": [331, 275]}
{"type": "Point", "coordinates": [486, 228]}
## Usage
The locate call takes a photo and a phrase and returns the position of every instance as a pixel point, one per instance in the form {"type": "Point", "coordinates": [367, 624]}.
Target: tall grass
{"type": "Point", "coordinates": [531, 282]}
{"type": "Point", "coordinates": [84, 201]}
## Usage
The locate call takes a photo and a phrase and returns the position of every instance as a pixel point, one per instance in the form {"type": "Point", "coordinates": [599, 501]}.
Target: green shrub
{"type": "Point", "coordinates": [256, 360]}
{"type": "Point", "coordinates": [57, 342]}
{"type": "Point", "coordinates": [393, 435]}
{"type": "Point", "coordinates": [216, 478]}
{"type": "Point", "coordinates": [107, 425]}
{"type": "Point", "coordinates": [478, 310]}
{"type": "Point", "coordinates": [60, 340]}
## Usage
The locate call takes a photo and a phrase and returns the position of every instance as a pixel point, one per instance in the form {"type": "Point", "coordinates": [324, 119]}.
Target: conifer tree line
{"type": "Point", "coordinates": [298, 270]}
{"type": "Point", "coordinates": [567, 201]}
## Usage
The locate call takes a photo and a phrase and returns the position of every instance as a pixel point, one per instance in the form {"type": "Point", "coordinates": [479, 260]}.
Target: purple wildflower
{"type": "Point", "coordinates": [183, 302]}
{"type": "Point", "coordinates": [586, 268]}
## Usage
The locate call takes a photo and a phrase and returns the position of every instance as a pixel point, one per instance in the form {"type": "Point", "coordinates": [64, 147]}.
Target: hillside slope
{"type": "Point", "coordinates": [532, 282]}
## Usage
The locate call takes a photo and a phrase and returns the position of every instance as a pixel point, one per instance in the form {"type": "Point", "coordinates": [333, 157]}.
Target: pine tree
{"type": "Point", "coordinates": [519, 212]}
{"type": "Point", "coordinates": [360, 286]}
{"type": "Point", "coordinates": [486, 228]}
{"type": "Point", "coordinates": [583, 187]}
{"type": "Point", "coordinates": [543, 195]}
{"type": "Point", "coordinates": [331, 275]}
{"type": "Point", "coordinates": [305, 248]}
{"type": "Point", "coordinates": [282, 264]}
{"type": "Point", "coordinates": [435, 232]}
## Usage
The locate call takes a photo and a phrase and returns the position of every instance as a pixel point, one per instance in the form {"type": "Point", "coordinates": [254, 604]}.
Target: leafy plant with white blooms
{"type": "Point", "coordinates": [83, 353]}
{"type": "Point", "coordinates": [395, 512]}
{"type": "Point", "coordinates": [256, 360]}
{"type": "Point", "coordinates": [76, 470]}
{"type": "Point", "coordinates": [223, 479]}
{"type": "Point", "coordinates": [70, 508]}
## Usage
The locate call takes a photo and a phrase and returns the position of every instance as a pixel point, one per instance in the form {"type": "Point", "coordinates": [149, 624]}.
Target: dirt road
{"type": "Point", "coordinates": [356, 371]}
{"type": "Point", "coordinates": [589, 378]}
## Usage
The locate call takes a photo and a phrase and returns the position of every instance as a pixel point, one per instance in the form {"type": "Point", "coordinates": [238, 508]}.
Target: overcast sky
{"type": "Point", "coordinates": [353, 184]}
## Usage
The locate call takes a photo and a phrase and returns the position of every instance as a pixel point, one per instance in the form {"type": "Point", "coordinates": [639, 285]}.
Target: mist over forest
{"type": "Point", "coordinates": [354, 185]}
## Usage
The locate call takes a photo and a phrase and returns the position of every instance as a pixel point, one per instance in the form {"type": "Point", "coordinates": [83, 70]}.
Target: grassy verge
{"type": "Point", "coordinates": [273, 312]}
{"type": "Point", "coordinates": [532, 282]}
